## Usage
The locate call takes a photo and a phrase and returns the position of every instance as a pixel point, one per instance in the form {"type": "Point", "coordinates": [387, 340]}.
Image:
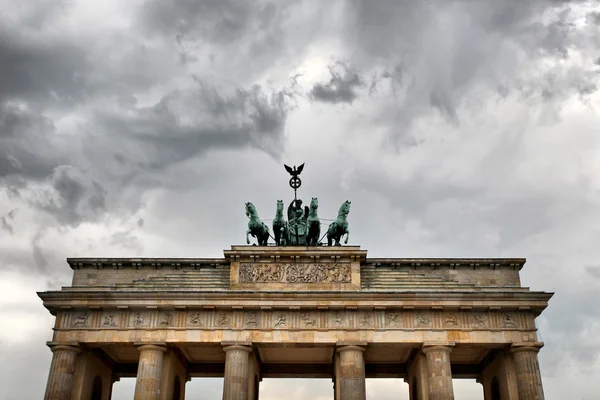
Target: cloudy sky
{"type": "Point", "coordinates": [464, 128]}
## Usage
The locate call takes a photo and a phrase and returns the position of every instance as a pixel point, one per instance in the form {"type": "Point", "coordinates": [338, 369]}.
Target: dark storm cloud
{"type": "Point", "coordinates": [26, 145]}
{"type": "Point", "coordinates": [73, 196]}
{"type": "Point", "coordinates": [40, 70]}
{"type": "Point", "coordinates": [341, 88]}
{"type": "Point", "coordinates": [187, 123]}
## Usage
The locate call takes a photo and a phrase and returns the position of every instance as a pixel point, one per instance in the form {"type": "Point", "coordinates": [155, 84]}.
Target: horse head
{"type": "Point", "coordinates": [279, 206]}
{"type": "Point", "coordinates": [344, 209]}
{"type": "Point", "coordinates": [250, 209]}
{"type": "Point", "coordinates": [314, 204]}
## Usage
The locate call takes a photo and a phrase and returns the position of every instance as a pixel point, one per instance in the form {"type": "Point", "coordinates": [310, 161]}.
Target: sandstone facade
{"type": "Point", "coordinates": [295, 312]}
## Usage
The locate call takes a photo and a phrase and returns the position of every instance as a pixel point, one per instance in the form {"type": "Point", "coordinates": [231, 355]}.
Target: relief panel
{"type": "Point", "coordinates": [295, 273]}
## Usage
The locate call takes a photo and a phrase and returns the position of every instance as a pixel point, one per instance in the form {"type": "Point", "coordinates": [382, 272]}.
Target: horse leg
{"type": "Point", "coordinates": [247, 238]}
{"type": "Point", "coordinates": [347, 236]}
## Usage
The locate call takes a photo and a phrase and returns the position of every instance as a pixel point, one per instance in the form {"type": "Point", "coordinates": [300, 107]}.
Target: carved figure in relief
{"type": "Point", "coordinates": [256, 227]}
{"type": "Point", "coordinates": [251, 318]}
{"type": "Point", "coordinates": [338, 318]}
{"type": "Point", "coordinates": [307, 320]}
{"type": "Point", "coordinates": [422, 320]}
{"type": "Point", "coordinates": [508, 321]}
{"type": "Point", "coordinates": [280, 227]}
{"type": "Point", "coordinates": [393, 318]}
{"type": "Point", "coordinates": [139, 319]}
{"type": "Point", "coordinates": [314, 224]}
{"type": "Point", "coordinates": [339, 227]}
{"type": "Point", "coordinates": [478, 321]}
{"type": "Point", "coordinates": [295, 273]}
{"type": "Point", "coordinates": [195, 318]}
{"type": "Point", "coordinates": [109, 320]}
{"type": "Point", "coordinates": [81, 319]}
{"type": "Point", "coordinates": [280, 320]}
{"type": "Point", "coordinates": [451, 320]}
{"type": "Point", "coordinates": [223, 320]}
{"type": "Point", "coordinates": [365, 320]}
{"type": "Point", "coordinates": [166, 319]}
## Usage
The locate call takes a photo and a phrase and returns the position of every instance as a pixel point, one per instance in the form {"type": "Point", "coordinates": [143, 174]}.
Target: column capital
{"type": "Point", "coordinates": [530, 347]}
{"type": "Point", "coordinates": [429, 347]}
{"type": "Point", "coordinates": [64, 346]}
{"type": "Point", "coordinates": [350, 347]}
{"type": "Point", "coordinates": [229, 347]}
{"type": "Point", "coordinates": [152, 346]}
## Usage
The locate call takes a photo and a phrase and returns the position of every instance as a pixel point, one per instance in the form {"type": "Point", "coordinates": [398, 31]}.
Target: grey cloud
{"type": "Point", "coordinates": [437, 56]}
{"type": "Point", "coordinates": [593, 270]}
{"type": "Point", "coordinates": [186, 123]}
{"type": "Point", "coordinates": [127, 240]}
{"type": "Point", "coordinates": [7, 220]}
{"type": "Point", "coordinates": [26, 143]}
{"type": "Point", "coordinates": [342, 85]}
{"type": "Point", "coordinates": [40, 70]}
{"type": "Point", "coordinates": [242, 38]}
{"type": "Point", "coordinates": [4, 224]}
{"type": "Point", "coordinates": [73, 196]}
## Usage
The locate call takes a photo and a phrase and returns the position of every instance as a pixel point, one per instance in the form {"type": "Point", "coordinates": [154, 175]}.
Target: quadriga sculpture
{"type": "Point", "coordinates": [314, 225]}
{"type": "Point", "coordinates": [280, 230]}
{"type": "Point", "coordinates": [256, 227]}
{"type": "Point", "coordinates": [339, 227]}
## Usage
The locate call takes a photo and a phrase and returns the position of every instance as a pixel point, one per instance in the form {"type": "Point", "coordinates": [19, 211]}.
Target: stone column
{"type": "Point", "coordinates": [439, 375]}
{"type": "Point", "coordinates": [147, 384]}
{"type": "Point", "coordinates": [235, 385]}
{"type": "Point", "coordinates": [351, 373]}
{"type": "Point", "coordinates": [62, 372]}
{"type": "Point", "coordinates": [529, 379]}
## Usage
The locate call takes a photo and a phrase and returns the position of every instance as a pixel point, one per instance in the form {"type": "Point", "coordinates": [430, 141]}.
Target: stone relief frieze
{"type": "Point", "coordinates": [307, 320]}
{"type": "Point", "coordinates": [110, 320]}
{"type": "Point", "coordinates": [338, 319]}
{"type": "Point", "coordinates": [165, 319]}
{"type": "Point", "coordinates": [479, 320]}
{"type": "Point", "coordinates": [139, 319]}
{"type": "Point", "coordinates": [299, 319]}
{"type": "Point", "coordinates": [451, 320]}
{"type": "Point", "coordinates": [224, 320]}
{"type": "Point", "coordinates": [251, 319]}
{"type": "Point", "coordinates": [280, 321]}
{"type": "Point", "coordinates": [366, 320]}
{"type": "Point", "coordinates": [81, 320]}
{"type": "Point", "coordinates": [194, 319]}
{"type": "Point", "coordinates": [509, 321]}
{"type": "Point", "coordinates": [295, 273]}
{"type": "Point", "coordinates": [422, 319]}
{"type": "Point", "coordinates": [393, 319]}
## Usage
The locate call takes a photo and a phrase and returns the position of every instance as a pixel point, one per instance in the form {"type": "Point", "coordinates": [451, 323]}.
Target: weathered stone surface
{"type": "Point", "coordinates": [438, 372]}
{"type": "Point", "coordinates": [62, 372]}
{"type": "Point", "coordinates": [529, 379]}
{"type": "Point", "coordinates": [147, 384]}
{"type": "Point", "coordinates": [237, 364]}
{"type": "Point", "coordinates": [297, 309]}
{"type": "Point", "coordinates": [351, 373]}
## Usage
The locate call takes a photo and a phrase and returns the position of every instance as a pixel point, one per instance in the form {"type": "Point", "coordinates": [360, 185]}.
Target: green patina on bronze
{"type": "Point", "coordinates": [303, 227]}
{"type": "Point", "coordinates": [256, 227]}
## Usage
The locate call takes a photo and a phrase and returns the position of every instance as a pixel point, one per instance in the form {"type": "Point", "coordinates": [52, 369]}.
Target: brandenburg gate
{"type": "Point", "coordinates": [294, 310]}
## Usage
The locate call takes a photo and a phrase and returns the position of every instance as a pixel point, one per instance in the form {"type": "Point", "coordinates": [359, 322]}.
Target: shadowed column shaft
{"type": "Point", "coordinates": [352, 373]}
{"type": "Point", "coordinates": [62, 373]}
{"type": "Point", "coordinates": [147, 384]}
{"type": "Point", "coordinates": [439, 374]}
{"type": "Point", "coordinates": [235, 384]}
{"type": "Point", "coordinates": [529, 379]}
